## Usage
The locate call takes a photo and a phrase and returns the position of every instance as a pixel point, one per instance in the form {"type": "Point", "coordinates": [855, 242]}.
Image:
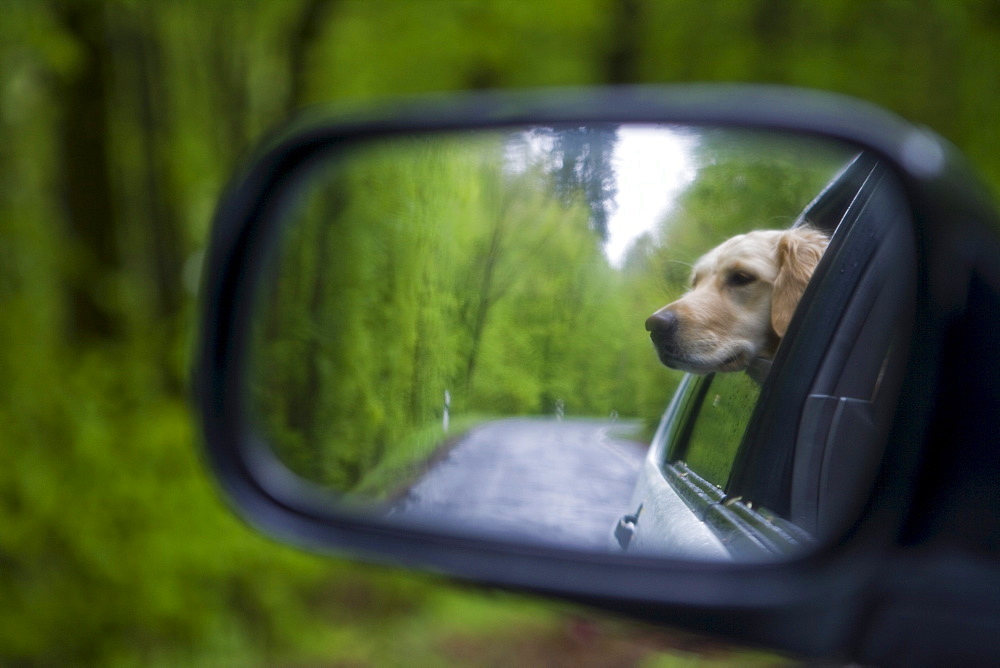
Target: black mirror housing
{"type": "Point", "coordinates": [906, 581]}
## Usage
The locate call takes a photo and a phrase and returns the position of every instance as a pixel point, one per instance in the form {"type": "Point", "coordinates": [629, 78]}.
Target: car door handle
{"type": "Point", "coordinates": [625, 529]}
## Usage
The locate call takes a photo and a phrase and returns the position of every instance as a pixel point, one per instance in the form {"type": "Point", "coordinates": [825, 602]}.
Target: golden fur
{"type": "Point", "coordinates": [742, 297]}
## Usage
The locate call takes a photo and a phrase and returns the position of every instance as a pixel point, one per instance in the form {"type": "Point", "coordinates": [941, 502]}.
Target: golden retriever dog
{"type": "Point", "coordinates": [742, 297]}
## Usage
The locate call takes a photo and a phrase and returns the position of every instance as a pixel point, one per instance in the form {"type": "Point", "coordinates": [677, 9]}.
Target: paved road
{"type": "Point", "coordinates": [563, 481]}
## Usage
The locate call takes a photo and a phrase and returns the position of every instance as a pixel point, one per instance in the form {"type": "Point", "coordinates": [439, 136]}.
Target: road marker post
{"type": "Point", "coordinates": [447, 409]}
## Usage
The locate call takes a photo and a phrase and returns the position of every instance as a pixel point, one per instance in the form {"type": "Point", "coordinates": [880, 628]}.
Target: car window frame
{"type": "Point", "coordinates": [749, 534]}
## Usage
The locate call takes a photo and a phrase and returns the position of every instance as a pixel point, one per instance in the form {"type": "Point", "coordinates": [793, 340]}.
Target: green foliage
{"type": "Point", "coordinates": [120, 121]}
{"type": "Point", "coordinates": [111, 546]}
{"type": "Point", "coordinates": [425, 267]}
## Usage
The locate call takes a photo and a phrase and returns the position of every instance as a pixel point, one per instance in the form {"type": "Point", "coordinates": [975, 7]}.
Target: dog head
{"type": "Point", "coordinates": [742, 297]}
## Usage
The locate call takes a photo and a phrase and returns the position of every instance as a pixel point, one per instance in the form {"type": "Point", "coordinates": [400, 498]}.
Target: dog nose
{"type": "Point", "coordinates": [663, 322]}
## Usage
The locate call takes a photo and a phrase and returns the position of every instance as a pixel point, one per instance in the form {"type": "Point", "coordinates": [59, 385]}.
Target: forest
{"type": "Point", "coordinates": [476, 265]}
{"type": "Point", "coordinates": [121, 123]}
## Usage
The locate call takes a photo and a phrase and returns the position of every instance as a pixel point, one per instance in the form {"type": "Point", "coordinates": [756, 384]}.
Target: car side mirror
{"type": "Point", "coordinates": [453, 333]}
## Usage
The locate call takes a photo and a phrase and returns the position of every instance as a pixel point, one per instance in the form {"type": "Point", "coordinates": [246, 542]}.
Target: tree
{"type": "Point", "coordinates": [582, 166]}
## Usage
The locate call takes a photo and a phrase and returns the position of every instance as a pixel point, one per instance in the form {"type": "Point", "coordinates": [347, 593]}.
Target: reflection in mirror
{"type": "Point", "coordinates": [451, 329]}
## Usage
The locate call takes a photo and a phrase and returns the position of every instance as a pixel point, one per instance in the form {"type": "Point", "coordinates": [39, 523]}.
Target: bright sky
{"type": "Point", "coordinates": [652, 166]}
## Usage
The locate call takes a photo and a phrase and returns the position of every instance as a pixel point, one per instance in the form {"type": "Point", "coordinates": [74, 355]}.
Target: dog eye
{"type": "Point", "coordinates": [739, 278]}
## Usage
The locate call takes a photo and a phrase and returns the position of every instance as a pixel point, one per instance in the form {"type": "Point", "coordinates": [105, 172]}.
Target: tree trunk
{"type": "Point", "coordinates": [307, 29]}
{"type": "Point", "coordinates": [86, 186]}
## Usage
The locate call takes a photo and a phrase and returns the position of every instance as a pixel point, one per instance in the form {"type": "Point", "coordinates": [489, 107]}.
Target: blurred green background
{"type": "Point", "coordinates": [119, 123]}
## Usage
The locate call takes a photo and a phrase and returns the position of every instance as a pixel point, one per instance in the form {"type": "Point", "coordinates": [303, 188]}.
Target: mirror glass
{"type": "Point", "coordinates": [452, 329]}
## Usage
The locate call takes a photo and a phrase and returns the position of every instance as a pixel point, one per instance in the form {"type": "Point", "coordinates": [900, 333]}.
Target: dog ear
{"type": "Point", "coordinates": [799, 251]}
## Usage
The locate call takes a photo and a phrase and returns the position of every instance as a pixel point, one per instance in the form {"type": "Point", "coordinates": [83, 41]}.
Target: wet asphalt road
{"type": "Point", "coordinates": [559, 481]}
